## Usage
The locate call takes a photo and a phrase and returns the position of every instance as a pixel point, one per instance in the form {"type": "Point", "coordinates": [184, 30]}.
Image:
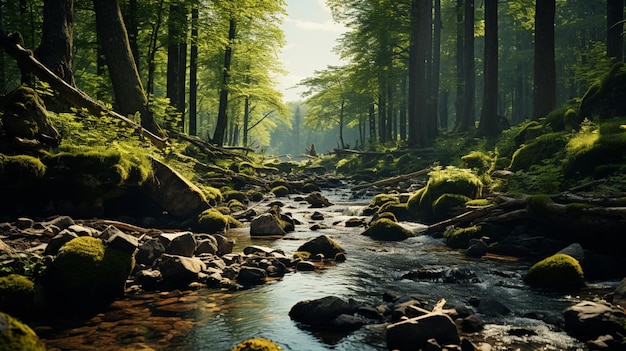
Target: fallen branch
{"type": "Point", "coordinates": [393, 180]}
{"type": "Point", "coordinates": [74, 96]}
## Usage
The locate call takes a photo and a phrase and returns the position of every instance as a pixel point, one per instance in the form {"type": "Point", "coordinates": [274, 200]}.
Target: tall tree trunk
{"type": "Point", "coordinates": [193, 74]}
{"type": "Point", "coordinates": [3, 74]}
{"type": "Point", "coordinates": [544, 91]}
{"type": "Point", "coordinates": [372, 120]}
{"type": "Point", "coordinates": [222, 116]}
{"type": "Point", "coordinates": [420, 31]}
{"type": "Point", "coordinates": [246, 120]}
{"type": "Point", "coordinates": [129, 93]}
{"type": "Point", "coordinates": [55, 49]}
{"type": "Point", "coordinates": [488, 125]}
{"type": "Point", "coordinates": [403, 109]}
{"type": "Point", "coordinates": [467, 123]}
{"type": "Point", "coordinates": [443, 110]}
{"type": "Point", "coordinates": [460, 68]}
{"type": "Point", "coordinates": [436, 68]}
{"type": "Point", "coordinates": [341, 121]}
{"type": "Point", "coordinates": [177, 58]}
{"type": "Point", "coordinates": [132, 26]}
{"type": "Point", "coordinates": [614, 29]}
{"type": "Point", "coordinates": [152, 47]}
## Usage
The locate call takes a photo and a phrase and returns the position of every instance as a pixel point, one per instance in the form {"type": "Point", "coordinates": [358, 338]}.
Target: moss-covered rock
{"type": "Point", "coordinates": [533, 153]}
{"type": "Point", "coordinates": [213, 221]}
{"type": "Point", "coordinates": [558, 272]}
{"type": "Point", "coordinates": [477, 160]}
{"type": "Point", "coordinates": [236, 205]}
{"type": "Point", "coordinates": [213, 195]}
{"type": "Point", "coordinates": [323, 245]}
{"type": "Point", "coordinates": [235, 195]}
{"type": "Point", "coordinates": [280, 191]}
{"type": "Point", "coordinates": [450, 180]}
{"type": "Point", "coordinates": [310, 188]}
{"type": "Point", "coordinates": [399, 210]}
{"type": "Point", "coordinates": [449, 205]}
{"type": "Point", "coordinates": [20, 169]}
{"type": "Point", "coordinates": [607, 98]}
{"type": "Point", "coordinates": [536, 204]}
{"type": "Point", "coordinates": [257, 344]}
{"type": "Point", "coordinates": [382, 199]}
{"type": "Point", "coordinates": [16, 336]}
{"type": "Point", "coordinates": [85, 275]}
{"type": "Point", "coordinates": [388, 215]}
{"type": "Point", "coordinates": [254, 195]}
{"type": "Point", "coordinates": [528, 132]}
{"type": "Point", "coordinates": [25, 117]}
{"type": "Point", "coordinates": [17, 295]}
{"type": "Point", "coordinates": [459, 238]}
{"type": "Point", "coordinates": [387, 230]}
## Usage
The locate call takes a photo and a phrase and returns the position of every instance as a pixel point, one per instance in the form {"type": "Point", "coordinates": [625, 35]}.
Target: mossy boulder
{"type": "Point", "coordinates": [17, 295]}
{"type": "Point", "coordinates": [280, 191]}
{"type": "Point", "coordinates": [385, 229]}
{"type": "Point", "coordinates": [450, 180]}
{"type": "Point", "coordinates": [21, 169]}
{"type": "Point", "coordinates": [399, 210]}
{"type": "Point", "coordinates": [528, 132]}
{"type": "Point", "coordinates": [541, 148]}
{"type": "Point", "coordinates": [388, 215]}
{"type": "Point", "coordinates": [382, 199]}
{"type": "Point", "coordinates": [17, 336]}
{"type": "Point", "coordinates": [558, 272]}
{"type": "Point", "coordinates": [477, 160]}
{"type": "Point", "coordinates": [85, 275]}
{"type": "Point", "coordinates": [213, 221]}
{"type": "Point", "coordinates": [449, 205]}
{"type": "Point", "coordinates": [459, 238]}
{"type": "Point", "coordinates": [25, 117]}
{"type": "Point", "coordinates": [254, 195]}
{"type": "Point", "coordinates": [257, 344]}
{"type": "Point", "coordinates": [607, 98]}
{"type": "Point", "coordinates": [310, 188]}
{"type": "Point", "coordinates": [323, 245]}
{"type": "Point", "coordinates": [235, 195]}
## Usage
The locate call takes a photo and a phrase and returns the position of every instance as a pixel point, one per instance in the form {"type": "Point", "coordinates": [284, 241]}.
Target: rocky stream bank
{"type": "Point", "coordinates": [149, 289]}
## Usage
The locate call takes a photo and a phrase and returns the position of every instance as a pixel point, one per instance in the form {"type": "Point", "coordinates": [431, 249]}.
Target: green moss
{"type": "Point", "coordinates": [388, 215]}
{"type": "Point", "coordinates": [477, 160]}
{"type": "Point", "coordinates": [527, 132]}
{"type": "Point", "coordinates": [400, 211]}
{"type": "Point", "coordinates": [235, 195]}
{"type": "Point", "coordinates": [86, 275]}
{"type": "Point", "coordinates": [18, 336]}
{"type": "Point", "coordinates": [257, 344]}
{"type": "Point", "coordinates": [17, 295]}
{"type": "Point", "coordinates": [213, 195]}
{"type": "Point", "coordinates": [323, 245]}
{"type": "Point", "coordinates": [449, 205]}
{"type": "Point", "coordinates": [606, 99]}
{"type": "Point", "coordinates": [310, 188]}
{"type": "Point", "coordinates": [542, 148]}
{"type": "Point", "coordinates": [254, 195]}
{"type": "Point", "coordinates": [280, 182]}
{"type": "Point", "coordinates": [387, 230]}
{"type": "Point", "coordinates": [303, 255]}
{"type": "Point", "coordinates": [536, 204]}
{"type": "Point", "coordinates": [559, 272]}
{"type": "Point", "coordinates": [20, 168]}
{"type": "Point", "coordinates": [235, 205]}
{"type": "Point", "coordinates": [212, 221]}
{"type": "Point", "coordinates": [450, 180]}
{"type": "Point", "coordinates": [382, 199]}
{"type": "Point", "coordinates": [576, 209]}
{"type": "Point", "coordinates": [478, 203]}
{"type": "Point", "coordinates": [115, 164]}
{"type": "Point", "coordinates": [280, 191]}
{"type": "Point", "coordinates": [458, 238]}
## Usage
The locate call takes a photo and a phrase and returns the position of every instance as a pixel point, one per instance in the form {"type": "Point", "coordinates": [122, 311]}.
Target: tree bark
{"type": "Point", "coordinates": [177, 58]}
{"type": "Point", "coordinates": [614, 29]}
{"type": "Point", "coordinates": [420, 29]}
{"type": "Point", "coordinates": [545, 69]}
{"type": "Point", "coordinates": [469, 78]}
{"type": "Point", "coordinates": [222, 116]}
{"type": "Point", "coordinates": [55, 49]}
{"type": "Point", "coordinates": [460, 71]}
{"type": "Point", "coordinates": [193, 73]}
{"type": "Point", "coordinates": [129, 93]}
{"type": "Point", "coordinates": [488, 125]}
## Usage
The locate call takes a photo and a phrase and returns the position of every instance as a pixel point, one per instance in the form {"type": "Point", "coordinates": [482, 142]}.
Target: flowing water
{"type": "Point", "coordinates": [217, 320]}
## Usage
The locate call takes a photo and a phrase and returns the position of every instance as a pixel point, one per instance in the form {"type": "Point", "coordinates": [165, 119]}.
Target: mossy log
{"type": "Point", "coordinates": [393, 180]}
{"type": "Point", "coordinates": [74, 96]}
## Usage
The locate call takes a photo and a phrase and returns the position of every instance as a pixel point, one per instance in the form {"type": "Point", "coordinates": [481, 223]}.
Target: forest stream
{"type": "Point", "coordinates": [215, 320]}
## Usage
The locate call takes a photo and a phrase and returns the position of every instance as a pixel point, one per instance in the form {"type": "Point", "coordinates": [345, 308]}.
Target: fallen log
{"type": "Point", "coordinates": [465, 217]}
{"type": "Point", "coordinates": [73, 96]}
{"type": "Point", "coordinates": [392, 180]}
